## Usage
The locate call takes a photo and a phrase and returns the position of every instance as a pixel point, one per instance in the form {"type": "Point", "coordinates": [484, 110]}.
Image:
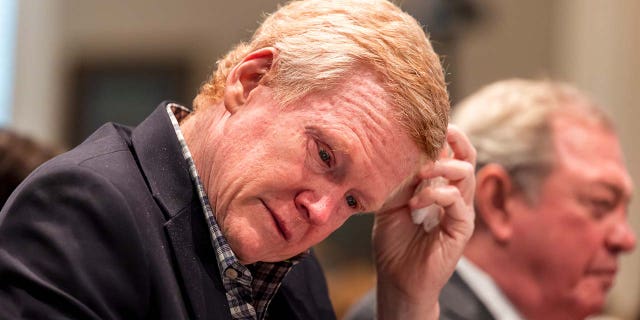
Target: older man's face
{"type": "Point", "coordinates": [284, 179]}
{"type": "Point", "coordinates": [570, 240]}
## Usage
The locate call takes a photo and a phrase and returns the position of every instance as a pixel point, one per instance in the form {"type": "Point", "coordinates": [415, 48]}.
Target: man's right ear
{"type": "Point", "coordinates": [246, 76]}
{"type": "Point", "coordinates": [493, 189]}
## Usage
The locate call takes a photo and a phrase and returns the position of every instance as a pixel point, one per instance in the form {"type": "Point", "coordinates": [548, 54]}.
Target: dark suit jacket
{"type": "Point", "coordinates": [114, 230]}
{"type": "Point", "coordinates": [457, 302]}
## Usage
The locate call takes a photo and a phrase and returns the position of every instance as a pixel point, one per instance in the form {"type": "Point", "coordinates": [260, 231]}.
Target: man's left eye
{"type": "Point", "coordinates": [325, 156]}
{"type": "Point", "coordinates": [599, 207]}
{"type": "Point", "coordinates": [351, 201]}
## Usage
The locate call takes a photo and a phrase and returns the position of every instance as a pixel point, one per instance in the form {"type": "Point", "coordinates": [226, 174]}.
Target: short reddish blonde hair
{"type": "Point", "coordinates": [320, 42]}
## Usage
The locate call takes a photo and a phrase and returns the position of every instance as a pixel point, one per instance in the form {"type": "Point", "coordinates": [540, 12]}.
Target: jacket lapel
{"type": "Point", "coordinates": [160, 158]}
{"type": "Point", "coordinates": [189, 239]}
{"type": "Point", "coordinates": [457, 301]}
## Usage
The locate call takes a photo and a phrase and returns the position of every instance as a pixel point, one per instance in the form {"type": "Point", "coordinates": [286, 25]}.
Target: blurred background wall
{"type": "Point", "coordinates": [68, 65]}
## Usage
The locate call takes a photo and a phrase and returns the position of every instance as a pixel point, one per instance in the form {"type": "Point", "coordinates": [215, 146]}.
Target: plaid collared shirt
{"type": "Point", "coordinates": [249, 289]}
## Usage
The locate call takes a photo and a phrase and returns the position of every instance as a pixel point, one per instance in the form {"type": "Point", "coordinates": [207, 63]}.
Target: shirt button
{"type": "Point", "coordinates": [231, 273]}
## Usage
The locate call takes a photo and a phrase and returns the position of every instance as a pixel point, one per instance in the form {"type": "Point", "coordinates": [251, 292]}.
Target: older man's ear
{"type": "Point", "coordinates": [246, 76]}
{"type": "Point", "coordinates": [494, 191]}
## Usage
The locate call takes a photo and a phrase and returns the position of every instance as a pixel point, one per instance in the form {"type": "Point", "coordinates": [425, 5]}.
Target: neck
{"type": "Point", "coordinates": [516, 281]}
{"type": "Point", "coordinates": [496, 260]}
{"type": "Point", "coordinates": [202, 131]}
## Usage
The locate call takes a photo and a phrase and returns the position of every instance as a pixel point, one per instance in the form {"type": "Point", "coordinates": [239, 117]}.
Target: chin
{"type": "Point", "coordinates": [251, 254]}
{"type": "Point", "coordinates": [280, 257]}
{"type": "Point", "coordinates": [247, 252]}
{"type": "Point", "coordinates": [243, 257]}
{"type": "Point", "coordinates": [590, 308]}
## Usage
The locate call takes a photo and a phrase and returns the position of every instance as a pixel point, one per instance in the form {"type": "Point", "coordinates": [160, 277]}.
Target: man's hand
{"type": "Point", "coordinates": [413, 265]}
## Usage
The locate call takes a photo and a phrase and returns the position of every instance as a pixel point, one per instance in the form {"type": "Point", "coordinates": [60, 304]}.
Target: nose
{"type": "Point", "coordinates": [621, 238]}
{"type": "Point", "coordinates": [318, 207]}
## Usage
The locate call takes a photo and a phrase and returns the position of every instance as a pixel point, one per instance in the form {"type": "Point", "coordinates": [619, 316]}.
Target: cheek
{"type": "Point", "coordinates": [557, 247]}
{"type": "Point", "coordinates": [317, 234]}
{"type": "Point", "coordinates": [578, 237]}
{"type": "Point", "coordinates": [263, 159]}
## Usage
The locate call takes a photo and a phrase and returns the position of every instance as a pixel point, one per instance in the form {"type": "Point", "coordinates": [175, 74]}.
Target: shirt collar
{"type": "Point", "coordinates": [249, 289]}
{"type": "Point", "coordinates": [487, 291]}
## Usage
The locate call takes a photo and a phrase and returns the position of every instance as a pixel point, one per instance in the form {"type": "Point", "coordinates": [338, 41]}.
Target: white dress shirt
{"type": "Point", "coordinates": [487, 291]}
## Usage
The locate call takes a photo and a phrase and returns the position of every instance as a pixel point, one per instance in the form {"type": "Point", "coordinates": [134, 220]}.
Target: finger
{"type": "Point", "coordinates": [458, 173]}
{"type": "Point", "coordinates": [443, 196]}
{"type": "Point", "coordinates": [454, 207]}
{"type": "Point", "coordinates": [447, 197]}
{"type": "Point", "coordinates": [457, 212]}
{"type": "Point", "coordinates": [445, 152]}
{"type": "Point", "coordinates": [450, 169]}
{"type": "Point", "coordinates": [460, 145]}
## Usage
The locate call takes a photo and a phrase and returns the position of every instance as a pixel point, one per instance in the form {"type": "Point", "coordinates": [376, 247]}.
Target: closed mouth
{"type": "Point", "coordinates": [603, 269]}
{"type": "Point", "coordinates": [606, 275]}
{"type": "Point", "coordinates": [279, 223]}
{"type": "Point", "coordinates": [609, 272]}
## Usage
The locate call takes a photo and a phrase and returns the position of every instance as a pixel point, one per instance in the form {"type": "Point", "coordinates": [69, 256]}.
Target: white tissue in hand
{"type": "Point", "coordinates": [428, 216]}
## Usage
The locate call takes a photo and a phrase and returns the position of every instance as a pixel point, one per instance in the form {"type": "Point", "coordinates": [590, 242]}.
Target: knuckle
{"type": "Point", "coordinates": [473, 153]}
{"type": "Point", "coordinates": [453, 191]}
{"type": "Point", "coordinates": [468, 167]}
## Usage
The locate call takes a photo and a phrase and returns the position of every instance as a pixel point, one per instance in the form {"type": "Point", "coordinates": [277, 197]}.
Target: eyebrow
{"type": "Point", "coordinates": [619, 193]}
{"type": "Point", "coordinates": [333, 141]}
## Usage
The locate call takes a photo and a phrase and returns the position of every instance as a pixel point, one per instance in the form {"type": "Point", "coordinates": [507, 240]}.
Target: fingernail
{"type": "Point", "coordinates": [413, 202]}
{"type": "Point", "coordinates": [426, 169]}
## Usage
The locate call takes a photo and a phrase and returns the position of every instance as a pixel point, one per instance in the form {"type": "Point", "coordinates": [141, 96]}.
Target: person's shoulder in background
{"type": "Point", "coordinates": [19, 156]}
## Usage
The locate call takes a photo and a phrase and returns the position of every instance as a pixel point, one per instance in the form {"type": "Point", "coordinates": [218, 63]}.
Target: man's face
{"type": "Point", "coordinates": [569, 241]}
{"type": "Point", "coordinates": [284, 179]}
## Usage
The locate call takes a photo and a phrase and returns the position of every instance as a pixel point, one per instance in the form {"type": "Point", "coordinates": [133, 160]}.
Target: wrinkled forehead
{"type": "Point", "coordinates": [359, 104]}
{"type": "Point", "coordinates": [592, 149]}
{"type": "Point", "coordinates": [583, 140]}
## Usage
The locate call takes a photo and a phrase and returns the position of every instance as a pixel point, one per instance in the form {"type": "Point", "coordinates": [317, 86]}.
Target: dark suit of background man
{"type": "Point", "coordinates": [551, 201]}
{"type": "Point", "coordinates": [332, 108]}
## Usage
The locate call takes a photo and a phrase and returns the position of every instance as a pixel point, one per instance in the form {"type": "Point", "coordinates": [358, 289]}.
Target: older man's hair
{"type": "Point", "coordinates": [321, 42]}
{"type": "Point", "coordinates": [509, 123]}
{"type": "Point", "coordinates": [19, 155]}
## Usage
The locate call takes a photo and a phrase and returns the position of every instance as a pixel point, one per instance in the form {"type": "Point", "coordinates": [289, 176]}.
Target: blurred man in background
{"type": "Point", "coordinates": [332, 108]}
{"type": "Point", "coordinates": [551, 200]}
{"type": "Point", "coordinates": [19, 155]}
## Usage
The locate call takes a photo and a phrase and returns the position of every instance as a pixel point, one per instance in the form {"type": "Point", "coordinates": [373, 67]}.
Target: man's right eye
{"type": "Point", "coordinates": [599, 207]}
{"type": "Point", "coordinates": [325, 156]}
